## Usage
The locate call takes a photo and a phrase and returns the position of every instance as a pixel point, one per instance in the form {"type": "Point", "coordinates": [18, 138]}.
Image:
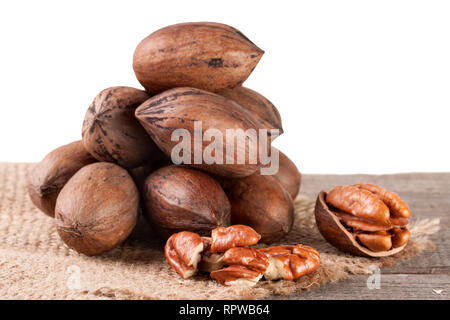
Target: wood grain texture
{"type": "Point", "coordinates": [428, 196]}
{"type": "Point", "coordinates": [393, 287]}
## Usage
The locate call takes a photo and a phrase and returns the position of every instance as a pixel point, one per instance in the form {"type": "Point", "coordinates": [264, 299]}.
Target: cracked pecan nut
{"type": "Point", "coordinates": [111, 132]}
{"type": "Point", "coordinates": [237, 275]}
{"type": "Point", "coordinates": [363, 219]}
{"type": "Point", "coordinates": [290, 262]}
{"type": "Point", "coordinates": [204, 55]}
{"type": "Point", "coordinates": [183, 252]}
{"type": "Point", "coordinates": [247, 257]}
{"type": "Point", "coordinates": [237, 235]}
{"type": "Point", "coordinates": [48, 177]}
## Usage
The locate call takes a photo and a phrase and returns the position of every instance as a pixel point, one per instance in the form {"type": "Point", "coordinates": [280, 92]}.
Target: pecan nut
{"type": "Point", "coordinates": [237, 275]}
{"type": "Point", "coordinates": [290, 262]}
{"type": "Point", "coordinates": [237, 235]}
{"type": "Point", "coordinates": [397, 207]}
{"type": "Point", "coordinates": [247, 257]}
{"type": "Point", "coordinates": [360, 203]}
{"type": "Point", "coordinates": [183, 252]}
{"type": "Point", "coordinates": [206, 55]}
{"type": "Point", "coordinates": [363, 219]}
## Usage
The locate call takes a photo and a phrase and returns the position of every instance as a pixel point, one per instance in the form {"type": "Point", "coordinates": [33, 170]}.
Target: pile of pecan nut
{"type": "Point", "coordinates": [212, 212]}
{"type": "Point", "coordinates": [230, 260]}
{"type": "Point", "coordinates": [139, 149]}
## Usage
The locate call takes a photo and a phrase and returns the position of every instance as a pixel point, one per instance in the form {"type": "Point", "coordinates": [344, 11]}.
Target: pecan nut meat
{"type": "Point", "coordinates": [290, 262]}
{"type": "Point", "coordinates": [247, 257]}
{"type": "Point", "coordinates": [397, 207]}
{"type": "Point", "coordinates": [360, 203]}
{"type": "Point", "coordinates": [237, 235]}
{"type": "Point", "coordinates": [183, 252]}
{"type": "Point", "coordinates": [237, 275]}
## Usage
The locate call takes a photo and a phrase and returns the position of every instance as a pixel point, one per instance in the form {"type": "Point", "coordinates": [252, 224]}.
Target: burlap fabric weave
{"type": "Point", "coordinates": [35, 263]}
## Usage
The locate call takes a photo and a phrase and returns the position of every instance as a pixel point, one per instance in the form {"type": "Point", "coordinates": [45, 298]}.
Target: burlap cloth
{"type": "Point", "coordinates": [35, 263]}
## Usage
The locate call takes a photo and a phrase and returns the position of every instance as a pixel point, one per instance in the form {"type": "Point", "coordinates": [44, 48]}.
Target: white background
{"type": "Point", "coordinates": [362, 86]}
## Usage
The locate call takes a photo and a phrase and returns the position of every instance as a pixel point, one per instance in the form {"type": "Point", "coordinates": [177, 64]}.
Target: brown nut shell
{"type": "Point", "coordinates": [288, 175]}
{"type": "Point", "coordinates": [178, 199]}
{"type": "Point", "coordinates": [181, 108]}
{"type": "Point", "coordinates": [111, 133]}
{"type": "Point", "coordinates": [337, 235]}
{"type": "Point", "coordinates": [204, 55]}
{"type": "Point", "coordinates": [97, 209]}
{"type": "Point", "coordinates": [257, 104]}
{"type": "Point", "coordinates": [262, 203]}
{"type": "Point", "coordinates": [48, 177]}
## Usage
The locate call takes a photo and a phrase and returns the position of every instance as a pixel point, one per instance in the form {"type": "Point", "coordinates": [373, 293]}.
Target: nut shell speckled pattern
{"type": "Point", "coordinates": [204, 55]}
{"type": "Point", "coordinates": [181, 108]}
{"type": "Point", "coordinates": [111, 133]}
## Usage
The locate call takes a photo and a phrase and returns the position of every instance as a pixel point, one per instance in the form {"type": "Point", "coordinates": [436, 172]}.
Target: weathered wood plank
{"type": "Point", "coordinates": [392, 287]}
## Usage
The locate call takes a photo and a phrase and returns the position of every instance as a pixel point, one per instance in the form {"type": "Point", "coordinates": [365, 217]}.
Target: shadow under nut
{"type": "Point", "coordinates": [288, 175]}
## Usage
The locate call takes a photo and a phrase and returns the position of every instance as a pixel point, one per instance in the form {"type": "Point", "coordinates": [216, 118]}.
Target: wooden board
{"type": "Point", "coordinates": [426, 276]}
